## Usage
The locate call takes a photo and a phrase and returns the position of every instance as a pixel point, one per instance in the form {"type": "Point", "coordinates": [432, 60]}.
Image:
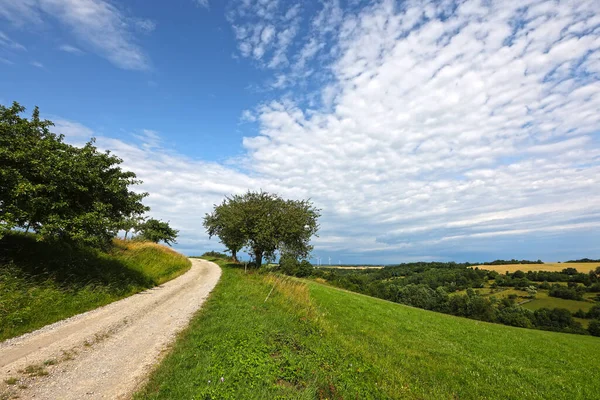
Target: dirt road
{"type": "Point", "coordinates": [108, 352]}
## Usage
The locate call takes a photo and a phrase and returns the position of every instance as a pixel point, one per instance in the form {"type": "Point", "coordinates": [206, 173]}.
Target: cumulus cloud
{"type": "Point", "coordinates": [98, 25]}
{"type": "Point", "coordinates": [265, 29]}
{"type": "Point", "coordinates": [470, 125]}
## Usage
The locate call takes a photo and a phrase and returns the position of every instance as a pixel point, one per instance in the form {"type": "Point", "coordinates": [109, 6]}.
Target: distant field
{"type": "Point", "coordinates": [555, 267]}
{"type": "Point", "coordinates": [542, 300]}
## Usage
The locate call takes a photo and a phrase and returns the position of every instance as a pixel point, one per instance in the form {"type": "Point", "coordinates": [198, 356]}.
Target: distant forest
{"type": "Point", "coordinates": [513, 261]}
{"type": "Point", "coordinates": [461, 290]}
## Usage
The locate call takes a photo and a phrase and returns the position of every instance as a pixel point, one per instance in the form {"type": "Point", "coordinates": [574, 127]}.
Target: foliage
{"type": "Point", "coordinates": [264, 223]}
{"type": "Point", "coordinates": [41, 283]}
{"type": "Point", "coordinates": [58, 190]}
{"type": "Point", "coordinates": [225, 222]}
{"type": "Point", "coordinates": [215, 254]}
{"type": "Point", "coordinates": [594, 327]}
{"type": "Point", "coordinates": [435, 286]}
{"type": "Point", "coordinates": [316, 342]}
{"type": "Point", "coordinates": [290, 265]}
{"type": "Point", "coordinates": [565, 292]}
{"type": "Point", "coordinates": [513, 261]}
{"type": "Point", "coordinates": [584, 260]}
{"type": "Point", "coordinates": [154, 230]}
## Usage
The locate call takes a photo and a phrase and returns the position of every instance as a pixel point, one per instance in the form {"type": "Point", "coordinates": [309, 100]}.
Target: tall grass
{"type": "Point", "coordinates": [41, 283]}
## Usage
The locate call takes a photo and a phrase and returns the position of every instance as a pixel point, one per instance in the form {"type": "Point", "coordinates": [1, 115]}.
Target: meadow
{"type": "Point", "coordinates": [267, 336]}
{"type": "Point", "coordinates": [41, 283]}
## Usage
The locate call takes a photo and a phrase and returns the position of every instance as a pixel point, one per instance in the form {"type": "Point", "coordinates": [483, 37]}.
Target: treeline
{"type": "Point", "coordinates": [584, 260]}
{"type": "Point", "coordinates": [513, 261]}
{"type": "Point", "coordinates": [63, 192]}
{"type": "Point", "coordinates": [434, 286]}
{"type": "Point", "coordinates": [577, 283]}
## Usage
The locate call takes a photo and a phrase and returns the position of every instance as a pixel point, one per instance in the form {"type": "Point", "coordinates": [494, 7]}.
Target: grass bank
{"type": "Point", "coordinates": [310, 341]}
{"type": "Point", "coordinates": [41, 283]}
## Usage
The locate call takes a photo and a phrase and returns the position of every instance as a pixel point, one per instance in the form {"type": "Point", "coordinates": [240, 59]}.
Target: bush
{"type": "Point", "coordinates": [594, 312]}
{"type": "Point", "coordinates": [569, 293]}
{"type": "Point", "coordinates": [290, 265]}
{"type": "Point", "coordinates": [215, 254]}
{"type": "Point", "coordinates": [305, 269]}
{"type": "Point", "coordinates": [594, 327]}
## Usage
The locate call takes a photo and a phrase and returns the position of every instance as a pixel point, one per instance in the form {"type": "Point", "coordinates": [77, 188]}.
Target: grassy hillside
{"type": "Point", "coordinates": [553, 267]}
{"type": "Point", "coordinates": [311, 341]}
{"type": "Point", "coordinates": [42, 283]}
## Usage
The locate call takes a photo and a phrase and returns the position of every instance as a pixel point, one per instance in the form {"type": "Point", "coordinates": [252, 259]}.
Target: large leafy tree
{"type": "Point", "coordinates": [58, 190]}
{"type": "Point", "coordinates": [225, 222]}
{"type": "Point", "coordinates": [156, 231]}
{"type": "Point", "coordinates": [264, 224]}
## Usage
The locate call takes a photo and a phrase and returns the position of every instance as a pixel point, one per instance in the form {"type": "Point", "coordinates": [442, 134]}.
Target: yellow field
{"type": "Point", "coordinates": [554, 267]}
{"type": "Point", "coordinates": [350, 267]}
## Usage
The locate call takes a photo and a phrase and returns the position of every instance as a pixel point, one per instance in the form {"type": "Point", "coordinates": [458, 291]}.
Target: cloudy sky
{"type": "Point", "coordinates": [424, 130]}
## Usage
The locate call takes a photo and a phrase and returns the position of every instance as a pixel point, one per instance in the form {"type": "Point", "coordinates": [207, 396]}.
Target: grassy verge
{"type": "Point", "coordinates": [312, 341]}
{"type": "Point", "coordinates": [42, 283]}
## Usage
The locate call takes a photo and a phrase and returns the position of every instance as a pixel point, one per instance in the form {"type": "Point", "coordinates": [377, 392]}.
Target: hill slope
{"type": "Point", "coordinates": [308, 340]}
{"type": "Point", "coordinates": [41, 283]}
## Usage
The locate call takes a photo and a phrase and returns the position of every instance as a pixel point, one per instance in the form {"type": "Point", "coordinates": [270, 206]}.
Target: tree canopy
{"type": "Point", "coordinates": [156, 231]}
{"type": "Point", "coordinates": [264, 223]}
{"type": "Point", "coordinates": [59, 190]}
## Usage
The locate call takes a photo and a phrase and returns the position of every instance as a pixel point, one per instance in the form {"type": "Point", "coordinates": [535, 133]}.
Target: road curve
{"type": "Point", "coordinates": [105, 353]}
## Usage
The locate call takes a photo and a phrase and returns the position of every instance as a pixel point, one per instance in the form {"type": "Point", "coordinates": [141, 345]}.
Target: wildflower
{"type": "Point", "coordinates": [222, 379]}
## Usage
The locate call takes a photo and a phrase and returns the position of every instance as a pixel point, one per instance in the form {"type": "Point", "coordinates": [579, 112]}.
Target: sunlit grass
{"type": "Point", "coordinates": [41, 283]}
{"type": "Point", "coordinates": [305, 340]}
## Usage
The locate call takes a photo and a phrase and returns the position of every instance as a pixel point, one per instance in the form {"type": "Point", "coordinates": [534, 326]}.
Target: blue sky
{"type": "Point", "coordinates": [425, 130]}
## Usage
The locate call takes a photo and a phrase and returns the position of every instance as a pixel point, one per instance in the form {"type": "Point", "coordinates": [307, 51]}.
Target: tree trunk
{"type": "Point", "coordinates": [258, 258]}
{"type": "Point", "coordinates": [234, 255]}
{"type": "Point", "coordinates": [126, 232]}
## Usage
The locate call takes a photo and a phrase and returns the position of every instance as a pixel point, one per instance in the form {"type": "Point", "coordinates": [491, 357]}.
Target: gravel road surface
{"type": "Point", "coordinates": [105, 353]}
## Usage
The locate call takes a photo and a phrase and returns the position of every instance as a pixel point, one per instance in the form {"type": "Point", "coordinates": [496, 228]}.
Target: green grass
{"type": "Point", "coordinates": [542, 300]}
{"type": "Point", "coordinates": [312, 341]}
{"type": "Point", "coordinates": [41, 283]}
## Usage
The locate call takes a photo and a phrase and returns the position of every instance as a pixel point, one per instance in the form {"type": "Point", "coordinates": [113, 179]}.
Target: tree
{"type": "Point", "coordinates": [265, 223]}
{"type": "Point", "coordinates": [225, 222]}
{"type": "Point", "coordinates": [58, 190]}
{"type": "Point", "coordinates": [531, 291]}
{"type": "Point", "coordinates": [594, 327]}
{"type": "Point", "coordinates": [132, 224]}
{"type": "Point", "coordinates": [155, 231]}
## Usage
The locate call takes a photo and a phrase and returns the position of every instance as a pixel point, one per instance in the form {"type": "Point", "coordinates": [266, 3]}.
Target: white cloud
{"type": "Point", "coordinates": [70, 49]}
{"type": "Point", "coordinates": [264, 29]}
{"type": "Point", "coordinates": [444, 127]}
{"type": "Point", "coordinates": [97, 25]}
{"type": "Point", "coordinates": [202, 3]}
{"type": "Point", "coordinates": [37, 64]}
{"type": "Point", "coordinates": [144, 25]}
{"type": "Point", "coordinates": [8, 43]}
